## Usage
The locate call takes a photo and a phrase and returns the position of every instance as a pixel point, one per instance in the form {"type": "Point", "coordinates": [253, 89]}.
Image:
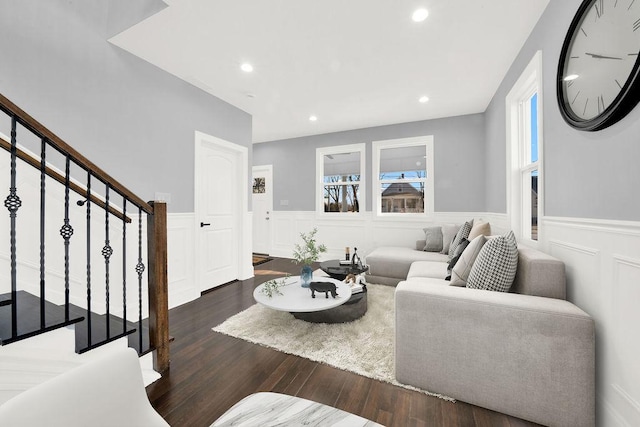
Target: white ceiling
{"type": "Point", "coordinates": [352, 63]}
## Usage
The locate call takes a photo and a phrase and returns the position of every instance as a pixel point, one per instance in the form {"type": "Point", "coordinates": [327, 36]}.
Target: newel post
{"type": "Point", "coordinates": [158, 285]}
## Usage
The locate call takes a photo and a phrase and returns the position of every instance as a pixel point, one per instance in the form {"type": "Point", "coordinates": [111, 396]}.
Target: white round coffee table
{"type": "Point", "coordinates": [298, 301]}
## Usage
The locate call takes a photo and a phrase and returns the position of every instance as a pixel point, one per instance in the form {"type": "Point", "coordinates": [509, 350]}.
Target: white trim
{"type": "Point", "coordinates": [319, 187]}
{"type": "Point", "coordinates": [429, 182]}
{"type": "Point", "coordinates": [530, 82]}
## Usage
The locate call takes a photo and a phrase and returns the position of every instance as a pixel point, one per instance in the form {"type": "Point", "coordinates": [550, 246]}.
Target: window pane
{"type": "Point", "coordinates": [533, 108]}
{"type": "Point", "coordinates": [401, 197]}
{"type": "Point", "coordinates": [534, 204]}
{"type": "Point", "coordinates": [341, 198]}
{"type": "Point", "coordinates": [403, 162]}
{"type": "Point", "coordinates": [342, 164]}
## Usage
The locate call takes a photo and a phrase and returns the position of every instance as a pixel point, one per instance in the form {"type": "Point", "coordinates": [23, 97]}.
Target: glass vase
{"type": "Point", "coordinates": [306, 275]}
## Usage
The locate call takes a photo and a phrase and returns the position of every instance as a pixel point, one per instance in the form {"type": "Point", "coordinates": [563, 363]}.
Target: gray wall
{"type": "Point", "coordinates": [587, 174]}
{"type": "Point", "coordinates": [132, 119]}
{"type": "Point", "coordinates": [459, 162]}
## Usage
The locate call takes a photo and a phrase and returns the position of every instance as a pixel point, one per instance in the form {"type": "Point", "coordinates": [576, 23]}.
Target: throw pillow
{"type": "Point", "coordinates": [456, 256]}
{"type": "Point", "coordinates": [433, 238]}
{"type": "Point", "coordinates": [479, 228]}
{"type": "Point", "coordinates": [448, 234]}
{"type": "Point", "coordinates": [496, 264]}
{"type": "Point", "coordinates": [462, 233]}
{"type": "Point", "coordinates": [462, 268]}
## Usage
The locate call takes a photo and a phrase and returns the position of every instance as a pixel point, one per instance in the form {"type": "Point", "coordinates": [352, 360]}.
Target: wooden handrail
{"type": "Point", "coordinates": [37, 128]}
{"type": "Point", "coordinates": [30, 160]}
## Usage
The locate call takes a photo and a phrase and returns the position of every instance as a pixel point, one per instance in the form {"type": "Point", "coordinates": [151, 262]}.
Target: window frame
{"type": "Point", "coordinates": [519, 164]}
{"type": "Point", "coordinates": [321, 152]}
{"type": "Point", "coordinates": [429, 180]}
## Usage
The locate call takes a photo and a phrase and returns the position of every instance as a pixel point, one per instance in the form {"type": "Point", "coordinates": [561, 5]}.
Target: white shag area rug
{"type": "Point", "coordinates": [364, 346]}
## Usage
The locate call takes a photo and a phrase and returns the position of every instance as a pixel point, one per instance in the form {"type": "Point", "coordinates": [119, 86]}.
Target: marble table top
{"type": "Point", "coordinates": [274, 409]}
{"type": "Point", "coordinates": [296, 299]}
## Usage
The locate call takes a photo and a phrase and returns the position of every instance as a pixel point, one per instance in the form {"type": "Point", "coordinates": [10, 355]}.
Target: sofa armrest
{"type": "Point", "coordinates": [104, 392]}
{"type": "Point", "coordinates": [527, 356]}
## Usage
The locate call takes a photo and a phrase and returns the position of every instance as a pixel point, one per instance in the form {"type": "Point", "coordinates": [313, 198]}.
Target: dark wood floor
{"type": "Point", "coordinates": [210, 372]}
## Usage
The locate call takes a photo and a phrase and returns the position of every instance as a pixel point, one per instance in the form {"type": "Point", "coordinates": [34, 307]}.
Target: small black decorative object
{"type": "Point", "coordinates": [355, 260]}
{"type": "Point", "coordinates": [598, 79]}
{"type": "Point", "coordinates": [325, 287]}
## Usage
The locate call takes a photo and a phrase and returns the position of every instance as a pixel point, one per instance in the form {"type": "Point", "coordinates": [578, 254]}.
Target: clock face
{"type": "Point", "coordinates": [597, 74]}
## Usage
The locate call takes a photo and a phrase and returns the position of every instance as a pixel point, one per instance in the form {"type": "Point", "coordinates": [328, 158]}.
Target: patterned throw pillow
{"type": "Point", "coordinates": [495, 267]}
{"type": "Point", "coordinates": [433, 239]}
{"type": "Point", "coordinates": [463, 233]}
{"type": "Point", "coordinates": [456, 256]}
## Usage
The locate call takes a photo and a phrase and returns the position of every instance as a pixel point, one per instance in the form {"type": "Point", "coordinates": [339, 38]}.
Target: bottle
{"type": "Point", "coordinates": [346, 253]}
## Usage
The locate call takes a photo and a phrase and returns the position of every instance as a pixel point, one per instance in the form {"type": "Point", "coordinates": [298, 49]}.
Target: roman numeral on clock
{"type": "Point", "coordinates": [636, 25]}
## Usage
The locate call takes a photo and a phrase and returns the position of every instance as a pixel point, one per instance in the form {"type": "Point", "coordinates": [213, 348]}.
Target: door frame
{"type": "Point", "coordinates": [243, 223]}
{"type": "Point", "coordinates": [268, 172]}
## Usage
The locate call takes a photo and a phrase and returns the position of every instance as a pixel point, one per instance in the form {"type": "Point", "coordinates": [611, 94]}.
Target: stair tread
{"type": "Point", "coordinates": [28, 322]}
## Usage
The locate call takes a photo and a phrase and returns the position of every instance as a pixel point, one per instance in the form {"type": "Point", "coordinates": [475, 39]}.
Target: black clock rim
{"type": "Point", "coordinates": [622, 105]}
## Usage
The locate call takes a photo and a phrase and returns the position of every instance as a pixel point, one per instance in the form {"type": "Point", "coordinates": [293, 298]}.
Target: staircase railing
{"type": "Point", "coordinates": [100, 189]}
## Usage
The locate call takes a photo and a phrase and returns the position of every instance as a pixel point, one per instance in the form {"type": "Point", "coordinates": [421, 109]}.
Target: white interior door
{"type": "Point", "coordinates": [262, 202]}
{"type": "Point", "coordinates": [218, 214]}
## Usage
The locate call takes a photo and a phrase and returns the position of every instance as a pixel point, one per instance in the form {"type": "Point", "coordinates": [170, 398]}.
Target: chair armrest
{"type": "Point", "coordinates": [527, 356]}
{"type": "Point", "coordinates": [104, 392]}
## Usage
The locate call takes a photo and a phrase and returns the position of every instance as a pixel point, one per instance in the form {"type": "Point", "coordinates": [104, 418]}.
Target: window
{"type": "Point", "coordinates": [403, 176]}
{"type": "Point", "coordinates": [524, 147]}
{"type": "Point", "coordinates": [340, 173]}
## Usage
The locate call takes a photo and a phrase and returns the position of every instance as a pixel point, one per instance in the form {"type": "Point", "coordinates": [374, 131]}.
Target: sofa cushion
{"type": "Point", "coordinates": [495, 267]}
{"type": "Point", "coordinates": [479, 228]}
{"type": "Point", "coordinates": [422, 269]}
{"type": "Point", "coordinates": [462, 268]}
{"type": "Point", "coordinates": [463, 233]}
{"type": "Point", "coordinates": [433, 239]}
{"type": "Point", "coordinates": [448, 234]}
{"type": "Point", "coordinates": [394, 261]}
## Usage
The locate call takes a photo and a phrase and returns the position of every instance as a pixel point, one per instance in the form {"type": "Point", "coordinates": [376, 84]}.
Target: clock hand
{"type": "Point", "coordinates": [595, 55]}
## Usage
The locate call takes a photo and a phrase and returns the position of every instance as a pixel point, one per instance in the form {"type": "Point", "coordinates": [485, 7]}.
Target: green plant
{"type": "Point", "coordinates": [309, 252]}
{"type": "Point", "coordinates": [273, 286]}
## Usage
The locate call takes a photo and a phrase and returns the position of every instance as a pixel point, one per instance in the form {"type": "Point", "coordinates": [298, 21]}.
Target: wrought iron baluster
{"type": "Point", "coordinates": [88, 202]}
{"type": "Point", "coordinates": [66, 231]}
{"type": "Point", "coordinates": [124, 265]}
{"type": "Point", "coordinates": [43, 164]}
{"type": "Point", "coordinates": [140, 270]}
{"type": "Point", "coordinates": [107, 251]}
{"type": "Point", "coordinates": [13, 203]}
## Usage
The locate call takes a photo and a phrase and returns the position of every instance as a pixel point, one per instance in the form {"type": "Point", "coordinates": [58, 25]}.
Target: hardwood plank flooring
{"type": "Point", "coordinates": [210, 372]}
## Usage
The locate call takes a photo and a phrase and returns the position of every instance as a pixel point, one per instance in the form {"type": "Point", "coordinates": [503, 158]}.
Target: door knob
{"type": "Point", "coordinates": [204, 224]}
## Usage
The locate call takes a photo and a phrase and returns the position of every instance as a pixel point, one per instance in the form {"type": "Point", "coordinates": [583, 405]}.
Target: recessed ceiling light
{"type": "Point", "coordinates": [571, 77]}
{"type": "Point", "coordinates": [313, 118]}
{"type": "Point", "coordinates": [423, 99]}
{"type": "Point", "coordinates": [420, 15]}
{"type": "Point", "coordinates": [246, 67]}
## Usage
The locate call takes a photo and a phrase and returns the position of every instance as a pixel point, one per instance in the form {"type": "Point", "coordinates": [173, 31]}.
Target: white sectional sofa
{"type": "Point", "coordinates": [527, 352]}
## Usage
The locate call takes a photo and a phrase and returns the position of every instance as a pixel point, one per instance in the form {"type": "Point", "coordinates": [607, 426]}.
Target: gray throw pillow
{"type": "Point", "coordinates": [495, 267]}
{"type": "Point", "coordinates": [448, 234]}
{"type": "Point", "coordinates": [462, 268]}
{"type": "Point", "coordinates": [462, 233]}
{"type": "Point", "coordinates": [433, 238]}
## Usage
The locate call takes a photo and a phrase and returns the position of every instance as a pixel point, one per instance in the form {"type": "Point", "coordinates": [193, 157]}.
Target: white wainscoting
{"type": "Point", "coordinates": [365, 231]}
{"type": "Point", "coordinates": [603, 277]}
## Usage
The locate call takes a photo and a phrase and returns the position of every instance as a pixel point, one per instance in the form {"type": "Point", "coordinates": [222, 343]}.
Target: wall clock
{"type": "Point", "coordinates": [598, 79]}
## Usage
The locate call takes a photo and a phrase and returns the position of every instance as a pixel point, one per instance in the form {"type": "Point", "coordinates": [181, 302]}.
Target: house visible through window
{"type": "Point", "coordinates": [403, 175]}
